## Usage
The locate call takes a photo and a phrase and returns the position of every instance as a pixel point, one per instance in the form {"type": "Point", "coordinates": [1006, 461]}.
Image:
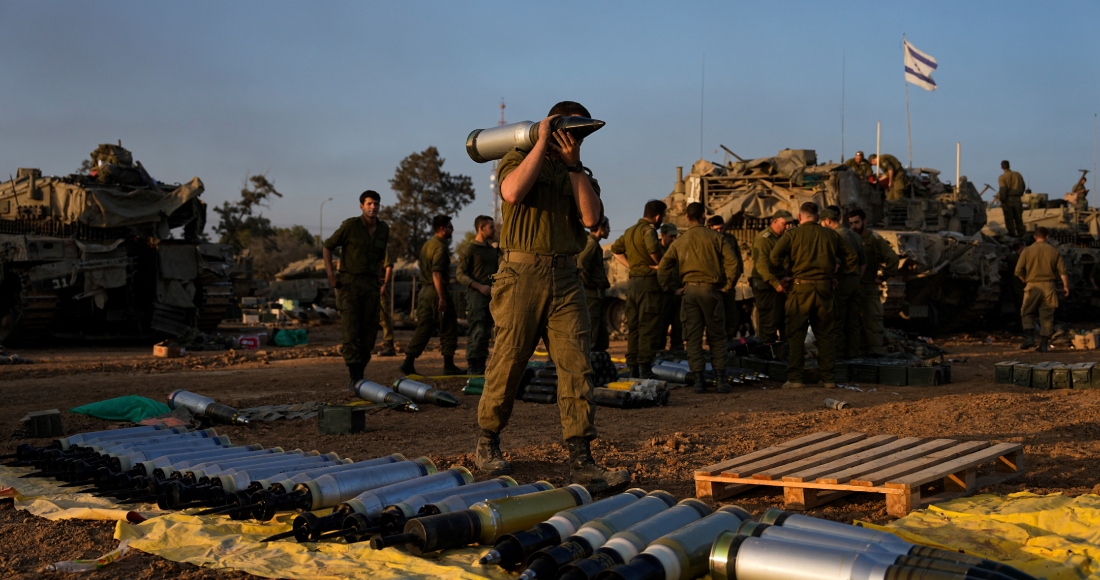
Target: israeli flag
{"type": "Point", "coordinates": [919, 67]}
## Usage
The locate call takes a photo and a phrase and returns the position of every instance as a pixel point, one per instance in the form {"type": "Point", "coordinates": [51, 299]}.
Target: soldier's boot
{"type": "Point", "coordinates": [721, 383]}
{"type": "Point", "coordinates": [584, 470]}
{"type": "Point", "coordinates": [635, 371]}
{"type": "Point", "coordinates": [449, 368]}
{"type": "Point", "coordinates": [1044, 344]}
{"type": "Point", "coordinates": [475, 366]}
{"type": "Point", "coordinates": [408, 367]}
{"type": "Point", "coordinates": [388, 349]}
{"type": "Point", "coordinates": [355, 372]}
{"type": "Point", "coordinates": [646, 371]}
{"type": "Point", "coordinates": [793, 385]}
{"type": "Point", "coordinates": [487, 457]}
{"type": "Point", "coordinates": [1029, 340]}
{"type": "Point", "coordinates": [700, 383]}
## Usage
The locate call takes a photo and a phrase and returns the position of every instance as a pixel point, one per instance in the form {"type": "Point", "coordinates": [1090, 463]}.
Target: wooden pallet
{"type": "Point", "coordinates": [821, 467]}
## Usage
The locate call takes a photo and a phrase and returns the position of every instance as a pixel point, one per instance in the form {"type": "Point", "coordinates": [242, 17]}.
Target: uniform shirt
{"type": "Point", "coordinates": [548, 220]}
{"type": "Point", "coordinates": [762, 268]}
{"type": "Point", "coordinates": [856, 245]}
{"type": "Point", "coordinates": [478, 264]}
{"type": "Point", "coordinates": [736, 247]}
{"type": "Point", "coordinates": [861, 168]}
{"type": "Point", "coordinates": [362, 254]}
{"type": "Point", "coordinates": [878, 253]}
{"type": "Point", "coordinates": [1010, 184]}
{"type": "Point", "coordinates": [702, 255]}
{"type": "Point", "coordinates": [435, 256]}
{"type": "Point", "coordinates": [888, 162]}
{"type": "Point", "coordinates": [638, 242]}
{"type": "Point", "coordinates": [590, 265]}
{"type": "Point", "coordinates": [814, 252]}
{"type": "Point", "coordinates": [1040, 262]}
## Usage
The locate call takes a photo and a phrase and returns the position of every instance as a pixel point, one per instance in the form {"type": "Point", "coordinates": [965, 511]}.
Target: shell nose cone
{"type": "Point", "coordinates": [581, 127]}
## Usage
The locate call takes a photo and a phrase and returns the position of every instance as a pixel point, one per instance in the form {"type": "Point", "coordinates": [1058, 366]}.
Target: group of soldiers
{"type": "Point", "coordinates": [892, 175]}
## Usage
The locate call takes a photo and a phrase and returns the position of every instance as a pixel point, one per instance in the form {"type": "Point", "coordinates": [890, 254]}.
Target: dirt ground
{"type": "Point", "coordinates": [661, 446]}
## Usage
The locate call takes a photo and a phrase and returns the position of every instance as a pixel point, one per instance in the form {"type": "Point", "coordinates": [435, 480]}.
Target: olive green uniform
{"type": "Point", "coordinates": [707, 269]}
{"type": "Point", "coordinates": [537, 292]}
{"type": "Point", "coordinates": [862, 169]}
{"type": "Point", "coordinates": [1010, 190]}
{"type": "Point", "coordinates": [385, 311]}
{"type": "Point", "coordinates": [733, 310]}
{"type": "Point", "coordinates": [671, 324]}
{"type": "Point", "coordinates": [593, 274]}
{"type": "Point", "coordinates": [643, 294]}
{"type": "Point", "coordinates": [435, 256]}
{"type": "Point", "coordinates": [897, 185]}
{"type": "Point", "coordinates": [814, 253]}
{"type": "Point", "coordinates": [768, 299]}
{"type": "Point", "coordinates": [478, 265]}
{"type": "Point", "coordinates": [848, 298]}
{"type": "Point", "coordinates": [361, 262]}
{"type": "Point", "coordinates": [879, 254]}
{"type": "Point", "coordinates": [1041, 266]}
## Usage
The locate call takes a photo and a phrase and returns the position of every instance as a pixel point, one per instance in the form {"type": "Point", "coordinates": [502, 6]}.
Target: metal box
{"type": "Point", "coordinates": [1021, 375]}
{"type": "Point", "coordinates": [42, 424]}
{"type": "Point", "coordinates": [840, 372]}
{"type": "Point", "coordinates": [1003, 372]}
{"type": "Point", "coordinates": [1041, 375]}
{"type": "Point", "coordinates": [776, 369]}
{"type": "Point", "coordinates": [893, 375]}
{"type": "Point", "coordinates": [863, 373]}
{"type": "Point", "coordinates": [925, 376]}
{"type": "Point", "coordinates": [342, 419]}
{"type": "Point", "coordinates": [1061, 377]}
{"type": "Point", "coordinates": [1085, 375]}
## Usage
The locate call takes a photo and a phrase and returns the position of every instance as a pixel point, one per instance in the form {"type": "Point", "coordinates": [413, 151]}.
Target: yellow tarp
{"type": "Point", "coordinates": [1048, 536]}
{"type": "Point", "coordinates": [46, 498]}
{"type": "Point", "coordinates": [219, 542]}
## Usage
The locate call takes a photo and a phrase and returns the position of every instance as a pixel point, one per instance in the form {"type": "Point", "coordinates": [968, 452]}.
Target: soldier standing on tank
{"type": "Point", "coordinates": [702, 263]}
{"type": "Point", "coordinates": [363, 240]}
{"type": "Point", "coordinates": [670, 301]}
{"type": "Point", "coordinates": [593, 274]}
{"type": "Point", "coordinates": [879, 254]}
{"type": "Point", "coordinates": [846, 295]}
{"type": "Point", "coordinates": [640, 251]}
{"type": "Point", "coordinates": [860, 165]}
{"type": "Point", "coordinates": [548, 198]}
{"type": "Point", "coordinates": [893, 176]}
{"type": "Point", "coordinates": [1040, 265]}
{"type": "Point", "coordinates": [769, 281]}
{"type": "Point", "coordinates": [385, 311]}
{"type": "Point", "coordinates": [475, 272]}
{"type": "Point", "coordinates": [816, 254]}
{"type": "Point", "coordinates": [1010, 190]}
{"type": "Point", "coordinates": [733, 310]}
{"type": "Point", "coordinates": [435, 307]}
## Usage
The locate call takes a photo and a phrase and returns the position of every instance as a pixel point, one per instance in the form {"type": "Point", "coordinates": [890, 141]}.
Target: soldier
{"type": "Point", "coordinates": [1079, 195]}
{"type": "Point", "coordinates": [893, 176]}
{"type": "Point", "coordinates": [846, 296]}
{"type": "Point", "coordinates": [640, 251]}
{"type": "Point", "coordinates": [859, 165]}
{"type": "Point", "coordinates": [816, 254]}
{"type": "Point", "coordinates": [879, 254]}
{"type": "Point", "coordinates": [707, 269]}
{"type": "Point", "coordinates": [385, 311]}
{"type": "Point", "coordinates": [435, 306]}
{"type": "Point", "coordinates": [363, 240]}
{"type": "Point", "coordinates": [670, 301]}
{"type": "Point", "coordinates": [1040, 266]}
{"type": "Point", "coordinates": [593, 273]}
{"type": "Point", "coordinates": [769, 282]}
{"type": "Point", "coordinates": [733, 310]}
{"type": "Point", "coordinates": [475, 272]}
{"type": "Point", "coordinates": [548, 199]}
{"type": "Point", "coordinates": [1010, 190]}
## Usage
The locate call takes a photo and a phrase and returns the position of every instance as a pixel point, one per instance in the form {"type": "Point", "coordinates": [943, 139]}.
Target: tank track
{"type": "Point", "coordinates": [28, 313]}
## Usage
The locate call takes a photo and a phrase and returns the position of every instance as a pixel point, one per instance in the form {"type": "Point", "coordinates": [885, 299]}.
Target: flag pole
{"type": "Point", "coordinates": [878, 147]}
{"type": "Point", "coordinates": [958, 165]}
{"type": "Point", "coordinates": [843, 59]}
{"type": "Point", "coordinates": [908, 125]}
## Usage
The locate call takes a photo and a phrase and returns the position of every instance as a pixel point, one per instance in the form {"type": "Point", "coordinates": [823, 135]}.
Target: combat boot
{"type": "Point", "coordinates": [646, 372]}
{"type": "Point", "coordinates": [408, 367]}
{"type": "Point", "coordinates": [487, 457]}
{"type": "Point", "coordinates": [1029, 340]}
{"type": "Point", "coordinates": [584, 470]}
{"type": "Point", "coordinates": [1044, 344]}
{"type": "Point", "coordinates": [793, 385]}
{"type": "Point", "coordinates": [355, 372]}
{"type": "Point", "coordinates": [475, 366]}
{"type": "Point", "coordinates": [635, 371]}
{"type": "Point", "coordinates": [700, 384]}
{"type": "Point", "coordinates": [388, 349]}
{"type": "Point", "coordinates": [449, 368]}
{"type": "Point", "coordinates": [721, 383]}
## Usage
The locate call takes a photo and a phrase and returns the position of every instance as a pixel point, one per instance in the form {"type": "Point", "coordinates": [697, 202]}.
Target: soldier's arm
{"type": "Point", "coordinates": [517, 181]}
{"type": "Point", "coordinates": [653, 246]}
{"type": "Point", "coordinates": [1001, 186]}
{"type": "Point", "coordinates": [618, 250]}
{"type": "Point", "coordinates": [465, 265]}
{"type": "Point", "coordinates": [583, 261]}
{"type": "Point", "coordinates": [667, 270]}
{"type": "Point", "coordinates": [762, 263]}
{"type": "Point", "coordinates": [1060, 264]}
{"type": "Point", "coordinates": [781, 250]}
{"type": "Point", "coordinates": [334, 241]}
{"type": "Point", "coordinates": [1021, 269]}
{"type": "Point", "coordinates": [440, 274]}
{"type": "Point", "coordinates": [739, 267]}
{"type": "Point", "coordinates": [889, 258]}
{"type": "Point", "coordinates": [847, 255]}
{"type": "Point", "coordinates": [730, 265]}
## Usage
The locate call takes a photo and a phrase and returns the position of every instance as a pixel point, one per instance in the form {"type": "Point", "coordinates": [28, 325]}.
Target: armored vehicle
{"type": "Point", "coordinates": [111, 253]}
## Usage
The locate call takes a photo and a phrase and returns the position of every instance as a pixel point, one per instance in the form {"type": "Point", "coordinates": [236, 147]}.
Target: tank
{"type": "Point", "coordinates": [109, 254]}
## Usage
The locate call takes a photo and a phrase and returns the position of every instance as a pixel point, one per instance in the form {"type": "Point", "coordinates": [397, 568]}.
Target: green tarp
{"type": "Point", "coordinates": [130, 408]}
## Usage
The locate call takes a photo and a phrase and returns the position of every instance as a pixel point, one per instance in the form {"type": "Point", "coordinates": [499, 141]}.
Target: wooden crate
{"type": "Point", "coordinates": [821, 467]}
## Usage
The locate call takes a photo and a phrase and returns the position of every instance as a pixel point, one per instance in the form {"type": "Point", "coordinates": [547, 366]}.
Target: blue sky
{"type": "Point", "coordinates": [327, 97]}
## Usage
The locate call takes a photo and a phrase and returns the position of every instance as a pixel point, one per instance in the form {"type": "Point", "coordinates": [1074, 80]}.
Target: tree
{"type": "Point", "coordinates": [423, 190]}
{"type": "Point", "coordinates": [272, 253]}
{"type": "Point", "coordinates": [238, 225]}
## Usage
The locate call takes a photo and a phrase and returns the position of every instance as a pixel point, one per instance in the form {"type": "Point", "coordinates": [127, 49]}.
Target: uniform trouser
{"type": "Point", "coordinates": [385, 317]}
{"type": "Point", "coordinates": [733, 313]}
{"type": "Point", "coordinates": [897, 190]}
{"type": "Point", "coordinates": [480, 325]}
{"type": "Point", "coordinates": [643, 319]}
{"type": "Point", "coordinates": [847, 304]}
{"type": "Point", "coordinates": [1040, 298]}
{"type": "Point", "coordinates": [429, 319]}
{"type": "Point", "coordinates": [671, 328]}
{"type": "Point", "coordinates": [599, 337]}
{"type": "Point", "coordinates": [810, 303]}
{"type": "Point", "coordinates": [704, 309]}
{"type": "Point", "coordinates": [870, 312]}
{"type": "Point", "coordinates": [357, 300]}
{"type": "Point", "coordinates": [770, 306]}
{"type": "Point", "coordinates": [1013, 209]}
{"type": "Point", "coordinates": [530, 301]}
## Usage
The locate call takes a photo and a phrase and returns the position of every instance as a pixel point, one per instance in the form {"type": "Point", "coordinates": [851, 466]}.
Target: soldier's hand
{"type": "Point", "coordinates": [382, 290]}
{"type": "Point", "coordinates": [567, 146]}
{"type": "Point", "coordinates": [332, 281]}
{"type": "Point", "coordinates": [679, 292]}
{"type": "Point", "coordinates": [544, 130]}
{"type": "Point", "coordinates": [1065, 292]}
{"type": "Point", "coordinates": [442, 306]}
{"type": "Point", "coordinates": [484, 289]}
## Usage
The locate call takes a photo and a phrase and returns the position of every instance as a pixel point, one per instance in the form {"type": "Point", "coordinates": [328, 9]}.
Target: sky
{"type": "Point", "coordinates": [327, 97]}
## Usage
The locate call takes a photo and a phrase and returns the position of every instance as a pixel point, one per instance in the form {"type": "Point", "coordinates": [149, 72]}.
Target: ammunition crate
{"type": "Point", "coordinates": [1041, 375]}
{"type": "Point", "coordinates": [945, 378]}
{"type": "Point", "coordinates": [1085, 376]}
{"type": "Point", "coordinates": [42, 424]}
{"type": "Point", "coordinates": [925, 376]}
{"type": "Point", "coordinates": [1021, 375]}
{"type": "Point", "coordinates": [840, 372]}
{"type": "Point", "coordinates": [758, 365]}
{"type": "Point", "coordinates": [893, 375]}
{"type": "Point", "coordinates": [863, 373]}
{"type": "Point", "coordinates": [1061, 377]}
{"type": "Point", "coordinates": [775, 369]}
{"type": "Point", "coordinates": [734, 361]}
{"type": "Point", "coordinates": [342, 419]}
{"type": "Point", "coordinates": [1003, 372]}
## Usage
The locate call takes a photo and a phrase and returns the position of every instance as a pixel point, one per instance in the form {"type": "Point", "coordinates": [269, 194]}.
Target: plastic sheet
{"type": "Point", "coordinates": [45, 498]}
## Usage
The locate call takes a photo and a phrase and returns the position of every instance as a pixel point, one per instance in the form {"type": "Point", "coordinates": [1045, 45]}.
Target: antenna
{"type": "Point", "coordinates": [843, 62]}
{"type": "Point", "coordinates": [702, 94]}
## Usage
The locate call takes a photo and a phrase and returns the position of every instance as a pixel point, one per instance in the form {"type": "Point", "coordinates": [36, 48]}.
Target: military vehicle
{"type": "Point", "coordinates": [111, 253]}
